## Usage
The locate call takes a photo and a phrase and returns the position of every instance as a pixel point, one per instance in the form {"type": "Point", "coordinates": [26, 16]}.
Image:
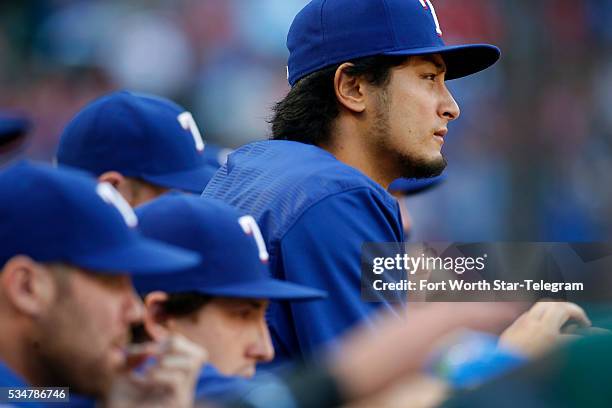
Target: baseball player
{"type": "Point", "coordinates": [141, 144]}
{"type": "Point", "coordinates": [67, 248]}
{"type": "Point", "coordinates": [220, 304]}
{"type": "Point", "coordinates": [368, 104]}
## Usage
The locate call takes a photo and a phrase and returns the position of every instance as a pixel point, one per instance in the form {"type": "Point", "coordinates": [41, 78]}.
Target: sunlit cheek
{"type": "Point", "coordinates": [217, 333]}
{"type": "Point", "coordinates": [194, 330]}
{"type": "Point", "coordinates": [226, 350]}
{"type": "Point", "coordinates": [414, 106]}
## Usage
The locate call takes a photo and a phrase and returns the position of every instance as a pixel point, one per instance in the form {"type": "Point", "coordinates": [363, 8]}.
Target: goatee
{"type": "Point", "coordinates": [419, 168]}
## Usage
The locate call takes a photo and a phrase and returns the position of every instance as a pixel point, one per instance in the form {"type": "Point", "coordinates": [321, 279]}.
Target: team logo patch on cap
{"type": "Point", "coordinates": [111, 196]}
{"type": "Point", "coordinates": [250, 227]}
{"type": "Point", "coordinates": [428, 6]}
{"type": "Point", "coordinates": [188, 123]}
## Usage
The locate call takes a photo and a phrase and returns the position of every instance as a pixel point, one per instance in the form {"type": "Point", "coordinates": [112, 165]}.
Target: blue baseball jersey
{"type": "Point", "coordinates": [315, 213]}
{"type": "Point", "coordinates": [215, 387]}
{"type": "Point", "coordinates": [10, 379]}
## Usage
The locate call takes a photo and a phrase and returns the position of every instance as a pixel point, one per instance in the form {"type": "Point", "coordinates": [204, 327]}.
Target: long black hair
{"type": "Point", "coordinates": [307, 113]}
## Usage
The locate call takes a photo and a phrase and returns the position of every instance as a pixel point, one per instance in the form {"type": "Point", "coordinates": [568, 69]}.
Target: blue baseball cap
{"type": "Point", "coordinates": [62, 215]}
{"type": "Point", "coordinates": [234, 258]}
{"type": "Point", "coordinates": [327, 32]}
{"type": "Point", "coordinates": [415, 186]}
{"type": "Point", "coordinates": [138, 135]}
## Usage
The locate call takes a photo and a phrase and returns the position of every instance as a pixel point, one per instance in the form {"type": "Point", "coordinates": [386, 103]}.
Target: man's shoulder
{"type": "Point", "coordinates": [283, 168]}
{"type": "Point", "coordinates": [296, 160]}
{"type": "Point", "coordinates": [276, 181]}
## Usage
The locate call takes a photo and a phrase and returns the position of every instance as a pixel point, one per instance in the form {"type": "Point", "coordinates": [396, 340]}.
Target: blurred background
{"type": "Point", "coordinates": [529, 159]}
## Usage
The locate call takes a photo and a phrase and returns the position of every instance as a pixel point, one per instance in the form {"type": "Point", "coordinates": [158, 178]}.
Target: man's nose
{"type": "Point", "coordinates": [262, 349]}
{"type": "Point", "coordinates": [449, 109]}
{"type": "Point", "coordinates": [134, 309]}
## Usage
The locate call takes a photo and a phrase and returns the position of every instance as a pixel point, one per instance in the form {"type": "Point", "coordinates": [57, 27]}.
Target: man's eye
{"type": "Point", "coordinates": [243, 314]}
{"type": "Point", "coordinates": [431, 77]}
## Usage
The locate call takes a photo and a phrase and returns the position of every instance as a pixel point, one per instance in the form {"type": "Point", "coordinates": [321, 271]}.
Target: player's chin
{"type": "Point", "coordinates": [425, 167]}
{"type": "Point", "coordinates": [434, 168]}
{"type": "Point", "coordinates": [433, 152]}
{"type": "Point", "coordinates": [247, 371]}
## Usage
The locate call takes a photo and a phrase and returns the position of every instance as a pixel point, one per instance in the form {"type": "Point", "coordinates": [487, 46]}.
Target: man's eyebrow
{"type": "Point", "coordinates": [256, 304]}
{"type": "Point", "coordinates": [430, 58]}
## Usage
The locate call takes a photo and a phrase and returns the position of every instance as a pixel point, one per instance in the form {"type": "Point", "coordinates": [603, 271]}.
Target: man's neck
{"type": "Point", "coordinates": [349, 146]}
{"type": "Point", "coordinates": [14, 354]}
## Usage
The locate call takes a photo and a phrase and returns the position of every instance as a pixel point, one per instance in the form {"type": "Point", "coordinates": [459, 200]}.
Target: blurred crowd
{"type": "Point", "coordinates": [527, 160]}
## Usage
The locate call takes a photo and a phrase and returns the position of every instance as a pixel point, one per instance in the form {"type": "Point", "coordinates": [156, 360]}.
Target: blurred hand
{"type": "Point", "coordinates": [542, 327]}
{"type": "Point", "coordinates": [371, 359]}
{"type": "Point", "coordinates": [168, 382]}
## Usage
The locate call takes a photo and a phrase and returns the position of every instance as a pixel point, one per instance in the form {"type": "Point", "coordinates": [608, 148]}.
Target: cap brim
{"type": "Point", "coordinates": [461, 60]}
{"type": "Point", "coordinates": [142, 256]}
{"type": "Point", "coordinates": [415, 186]}
{"type": "Point", "coordinates": [272, 289]}
{"type": "Point", "coordinates": [192, 181]}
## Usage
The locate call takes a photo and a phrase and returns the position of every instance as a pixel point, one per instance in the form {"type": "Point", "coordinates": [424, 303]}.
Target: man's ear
{"type": "Point", "coordinates": [349, 89]}
{"type": "Point", "coordinates": [156, 321]}
{"type": "Point", "coordinates": [121, 184]}
{"type": "Point", "coordinates": [28, 286]}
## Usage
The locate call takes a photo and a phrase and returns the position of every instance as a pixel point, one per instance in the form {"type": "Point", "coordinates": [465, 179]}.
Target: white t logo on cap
{"type": "Point", "coordinates": [427, 5]}
{"type": "Point", "coordinates": [111, 196]}
{"type": "Point", "coordinates": [250, 227]}
{"type": "Point", "coordinates": [188, 123]}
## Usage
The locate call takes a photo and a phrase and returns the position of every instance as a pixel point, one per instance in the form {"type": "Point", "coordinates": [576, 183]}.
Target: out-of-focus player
{"type": "Point", "coordinates": [219, 304]}
{"type": "Point", "coordinates": [142, 144]}
{"type": "Point", "coordinates": [67, 248]}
